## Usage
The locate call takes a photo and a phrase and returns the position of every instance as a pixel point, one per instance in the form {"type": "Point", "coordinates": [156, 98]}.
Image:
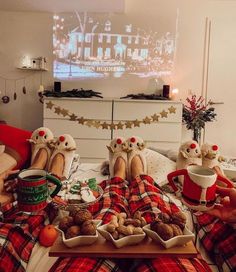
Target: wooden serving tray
{"type": "Point", "coordinates": [105, 249]}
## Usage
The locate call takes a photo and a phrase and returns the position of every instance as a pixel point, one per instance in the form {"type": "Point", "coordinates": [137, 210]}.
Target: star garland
{"type": "Point", "coordinates": [104, 125]}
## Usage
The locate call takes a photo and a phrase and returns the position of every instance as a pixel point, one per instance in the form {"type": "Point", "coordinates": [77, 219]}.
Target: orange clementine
{"type": "Point", "coordinates": [48, 235]}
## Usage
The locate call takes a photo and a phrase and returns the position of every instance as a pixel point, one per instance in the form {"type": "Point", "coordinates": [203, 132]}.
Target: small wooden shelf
{"type": "Point", "coordinates": [32, 69]}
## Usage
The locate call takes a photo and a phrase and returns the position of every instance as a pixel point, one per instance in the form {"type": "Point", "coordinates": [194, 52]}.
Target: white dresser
{"type": "Point", "coordinates": [96, 121]}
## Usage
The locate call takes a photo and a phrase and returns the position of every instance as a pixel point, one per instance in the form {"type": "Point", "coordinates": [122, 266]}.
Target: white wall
{"type": "Point", "coordinates": [31, 33]}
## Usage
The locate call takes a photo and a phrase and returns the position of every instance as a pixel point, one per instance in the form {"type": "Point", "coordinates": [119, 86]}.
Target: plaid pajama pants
{"type": "Point", "coordinates": [18, 235]}
{"type": "Point", "coordinates": [218, 239]}
{"type": "Point", "coordinates": [119, 196]}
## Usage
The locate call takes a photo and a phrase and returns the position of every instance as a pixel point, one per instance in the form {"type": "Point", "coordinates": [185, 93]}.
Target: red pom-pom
{"type": "Point", "coordinates": [132, 140]}
{"type": "Point", "coordinates": [192, 146]}
{"type": "Point", "coordinates": [61, 138]}
{"type": "Point", "coordinates": [41, 133]}
{"type": "Point", "coordinates": [214, 147]}
{"type": "Point", "coordinates": [119, 141]}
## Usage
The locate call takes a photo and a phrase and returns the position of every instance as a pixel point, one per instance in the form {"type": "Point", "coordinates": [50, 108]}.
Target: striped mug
{"type": "Point", "coordinates": [33, 192]}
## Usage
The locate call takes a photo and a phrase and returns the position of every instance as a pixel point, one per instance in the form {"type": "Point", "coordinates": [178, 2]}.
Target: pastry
{"type": "Point", "coordinates": [88, 228]}
{"type": "Point", "coordinates": [81, 216]}
{"type": "Point", "coordinates": [73, 231]}
{"type": "Point", "coordinates": [179, 219]}
{"type": "Point", "coordinates": [176, 230]}
{"type": "Point", "coordinates": [165, 231]}
{"type": "Point", "coordinates": [66, 222]}
{"type": "Point", "coordinates": [164, 217]}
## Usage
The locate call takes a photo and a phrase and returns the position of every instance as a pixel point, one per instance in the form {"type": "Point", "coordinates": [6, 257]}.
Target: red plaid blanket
{"type": "Point", "coordinates": [148, 265]}
{"type": "Point", "coordinates": [219, 240]}
{"type": "Point", "coordinates": [119, 196]}
{"type": "Point", "coordinates": [18, 233]}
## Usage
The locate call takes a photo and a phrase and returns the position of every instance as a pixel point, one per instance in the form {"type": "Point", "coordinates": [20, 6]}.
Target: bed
{"type": "Point", "coordinates": [20, 250]}
{"type": "Point", "coordinates": [39, 260]}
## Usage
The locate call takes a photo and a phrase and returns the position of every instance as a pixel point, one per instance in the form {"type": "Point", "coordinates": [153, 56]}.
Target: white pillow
{"type": "Point", "coordinates": [158, 166]}
{"type": "Point", "coordinates": [169, 153]}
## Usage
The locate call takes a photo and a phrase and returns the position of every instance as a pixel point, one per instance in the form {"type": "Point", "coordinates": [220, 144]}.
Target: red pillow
{"type": "Point", "coordinates": [16, 143]}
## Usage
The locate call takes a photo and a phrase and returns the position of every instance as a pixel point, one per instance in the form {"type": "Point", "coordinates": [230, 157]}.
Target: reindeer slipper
{"type": "Point", "coordinates": [189, 154]}
{"type": "Point", "coordinates": [66, 146]}
{"type": "Point", "coordinates": [117, 148]}
{"type": "Point", "coordinates": [210, 155]}
{"type": "Point", "coordinates": [136, 147]}
{"type": "Point", "coordinates": [41, 138]}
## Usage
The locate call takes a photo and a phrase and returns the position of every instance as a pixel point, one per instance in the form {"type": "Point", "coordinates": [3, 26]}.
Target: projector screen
{"type": "Point", "coordinates": [102, 45]}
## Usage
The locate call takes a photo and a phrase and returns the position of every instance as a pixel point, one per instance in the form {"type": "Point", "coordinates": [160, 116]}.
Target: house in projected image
{"type": "Point", "coordinates": [103, 47]}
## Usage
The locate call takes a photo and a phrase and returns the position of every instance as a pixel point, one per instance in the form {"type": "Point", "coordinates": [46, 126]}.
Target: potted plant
{"type": "Point", "coordinates": [196, 113]}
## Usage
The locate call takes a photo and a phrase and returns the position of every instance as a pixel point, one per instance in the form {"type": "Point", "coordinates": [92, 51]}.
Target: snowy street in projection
{"type": "Point", "coordinates": [97, 46]}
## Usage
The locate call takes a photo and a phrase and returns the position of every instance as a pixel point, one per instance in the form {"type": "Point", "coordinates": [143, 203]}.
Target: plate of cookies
{"type": "Point", "coordinates": [78, 194]}
{"type": "Point", "coordinates": [169, 230]}
{"type": "Point", "coordinates": [122, 231]}
{"type": "Point", "coordinates": [78, 228]}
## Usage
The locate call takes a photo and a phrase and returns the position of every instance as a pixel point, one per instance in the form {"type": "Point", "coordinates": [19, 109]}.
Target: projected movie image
{"type": "Point", "coordinates": [93, 45]}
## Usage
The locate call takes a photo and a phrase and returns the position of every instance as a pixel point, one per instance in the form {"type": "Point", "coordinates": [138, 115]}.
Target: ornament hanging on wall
{"type": "Point", "coordinates": [5, 98]}
{"type": "Point", "coordinates": [24, 88]}
{"type": "Point", "coordinates": [41, 88]}
{"type": "Point", "coordinates": [15, 95]}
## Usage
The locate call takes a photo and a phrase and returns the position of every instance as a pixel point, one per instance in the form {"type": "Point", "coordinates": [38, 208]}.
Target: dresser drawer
{"type": "Point", "coordinates": [156, 132]}
{"type": "Point", "coordinates": [131, 110]}
{"type": "Point", "coordinates": [92, 109]}
{"type": "Point", "coordinates": [60, 126]}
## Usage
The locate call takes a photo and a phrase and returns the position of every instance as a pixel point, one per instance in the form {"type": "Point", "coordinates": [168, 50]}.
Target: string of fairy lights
{"type": "Point", "coordinates": [100, 124]}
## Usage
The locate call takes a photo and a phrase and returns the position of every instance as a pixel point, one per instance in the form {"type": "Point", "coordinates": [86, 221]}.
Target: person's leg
{"type": "Point", "coordinates": [170, 264]}
{"type": "Point", "coordinates": [40, 159]}
{"type": "Point", "coordinates": [57, 166]}
{"type": "Point", "coordinates": [115, 196]}
{"type": "Point", "coordinates": [145, 196]}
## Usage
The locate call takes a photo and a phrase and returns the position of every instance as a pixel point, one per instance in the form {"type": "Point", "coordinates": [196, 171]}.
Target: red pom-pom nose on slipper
{"type": "Point", "coordinates": [192, 146]}
{"type": "Point", "coordinates": [61, 138]}
{"type": "Point", "coordinates": [119, 141]}
{"type": "Point", "coordinates": [41, 133]}
{"type": "Point", "coordinates": [215, 147]}
{"type": "Point", "coordinates": [132, 140]}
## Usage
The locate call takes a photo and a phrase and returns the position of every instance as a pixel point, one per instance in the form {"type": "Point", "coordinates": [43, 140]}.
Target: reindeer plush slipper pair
{"type": "Point", "coordinates": [190, 153]}
{"type": "Point", "coordinates": [127, 149]}
{"type": "Point", "coordinates": [42, 138]}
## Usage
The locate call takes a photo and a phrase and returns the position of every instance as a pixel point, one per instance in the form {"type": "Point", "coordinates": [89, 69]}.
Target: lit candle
{"type": "Point", "coordinates": [174, 93]}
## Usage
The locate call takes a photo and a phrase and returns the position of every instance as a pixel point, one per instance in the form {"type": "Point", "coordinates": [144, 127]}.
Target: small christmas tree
{"type": "Point", "coordinates": [196, 113]}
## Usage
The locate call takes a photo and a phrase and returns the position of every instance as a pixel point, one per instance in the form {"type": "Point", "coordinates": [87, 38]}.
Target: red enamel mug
{"type": "Point", "coordinates": [199, 186]}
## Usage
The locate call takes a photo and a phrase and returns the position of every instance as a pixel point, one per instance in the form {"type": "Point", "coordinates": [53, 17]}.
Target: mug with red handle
{"type": "Point", "coordinates": [199, 186]}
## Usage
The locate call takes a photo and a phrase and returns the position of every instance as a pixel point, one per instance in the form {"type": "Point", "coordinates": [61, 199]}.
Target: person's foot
{"type": "Point", "coordinates": [136, 167]}
{"type": "Point", "coordinates": [120, 168]}
{"type": "Point", "coordinates": [40, 159]}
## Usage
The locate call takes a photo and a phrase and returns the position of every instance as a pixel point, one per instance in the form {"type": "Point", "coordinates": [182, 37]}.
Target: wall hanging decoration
{"type": "Point", "coordinates": [16, 84]}
{"type": "Point", "coordinates": [105, 125]}
{"type": "Point", "coordinates": [5, 97]}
